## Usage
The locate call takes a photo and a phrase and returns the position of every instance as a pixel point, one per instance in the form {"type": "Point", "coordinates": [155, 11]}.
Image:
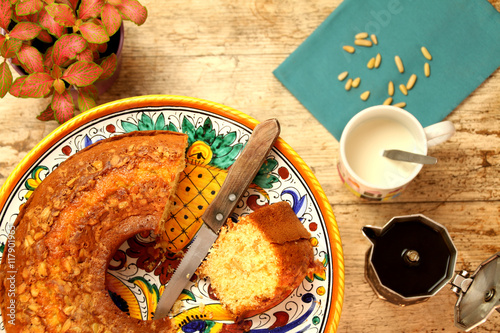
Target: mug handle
{"type": "Point", "coordinates": [439, 132]}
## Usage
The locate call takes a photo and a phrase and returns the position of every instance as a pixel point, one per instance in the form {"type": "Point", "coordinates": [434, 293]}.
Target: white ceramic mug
{"type": "Point", "coordinates": [361, 166]}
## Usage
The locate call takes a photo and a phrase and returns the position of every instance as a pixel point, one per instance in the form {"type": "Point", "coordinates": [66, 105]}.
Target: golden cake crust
{"type": "Point", "coordinates": [256, 263]}
{"type": "Point", "coordinates": [67, 232]}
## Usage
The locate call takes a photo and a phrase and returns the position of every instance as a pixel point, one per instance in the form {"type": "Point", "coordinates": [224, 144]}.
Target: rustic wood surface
{"type": "Point", "coordinates": [225, 51]}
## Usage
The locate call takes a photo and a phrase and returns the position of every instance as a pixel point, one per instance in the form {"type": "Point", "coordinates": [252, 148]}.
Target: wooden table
{"type": "Point", "coordinates": [225, 51]}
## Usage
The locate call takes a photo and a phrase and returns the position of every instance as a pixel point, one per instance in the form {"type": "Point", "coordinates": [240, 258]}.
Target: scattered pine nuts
{"type": "Point", "coordinates": [348, 48]}
{"type": "Point", "coordinates": [399, 64]}
{"type": "Point", "coordinates": [426, 53]}
{"type": "Point", "coordinates": [371, 63]}
{"type": "Point", "coordinates": [342, 76]}
{"type": "Point", "coordinates": [388, 101]}
{"type": "Point", "coordinates": [363, 42]}
{"type": "Point", "coordinates": [348, 85]}
{"type": "Point", "coordinates": [364, 96]}
{"type": "Point", "coordinates": [411, 81]}
{"type": "Point", "coordinates": [403, 89]}
{"type": "Point", "coordinates": [373, 37]}
{"type": "Point", "coordinates": [378, 59]}
{"type": "Point", "coordinates": [427, 69]}
{"type": "Point", "coordinates": [390, 88]}
{"type": "Point", "coordinates": [356, 82]}
{"type": "Point", "coordinates": [361, 35]}
{"type": "Point", "coordinates": [400, 104]}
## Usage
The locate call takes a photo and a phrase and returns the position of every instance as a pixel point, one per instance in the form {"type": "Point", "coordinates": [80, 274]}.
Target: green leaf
{"type": "Point", "coordinates": [228, 139]}
{"type": "Point", "coordinates": [47, 114]}
{"type": "Point", "coordinates": [25, 31]}
{"type": "Point", "coordinates": [188, 129]}
{"type": "Point", "coordinates": [67, 47]}
{"type": "Point", "coordinates": [160, 122]}
{"type": "Point", "coordinates": [111, 19]}
{"type": "Point", "coordinates": [10, 48]}
{"type": "Point", "coordinates": [27, 7]}
{"type": "Point", "coordinates": [48, 23]}
{"type": "Point", "coordinates": [5, 14]}
{"type": "Point", "coordinates": [129, 127]}
{"type": "Point", "coordinates": [31, 59]}
{"type": "Point", "coordinates": [268, 166]}
{"type": "Point", "coordinates": [132, 10]}
{"type": "Point", "coordinates": [265, 180]}
{"type": "Point", "coordinates": [172, 127]}
{"type": "Point", "coordinates": [85, 100]}
{"type": "Point", "coordinates": [62, 14]}
{"type": "Point", "coordinates": [146, 123]}
{"type": "Point", "coordinates": [225, 161]}
{"type": "Point", "coordinates": [94, 33]}
{"type": "Point", "coordinates": [82, 73]}
{"type": "Point", "coordinates": [63, 106]}
{"type": "Point", "coordinates": [108, 66]}
{"type": "Point", "coordinates": [37, 85]}
{"type": "Point", "coordinates": [90, 9]}
{"type": "Point", "coordinates": [5, 79]}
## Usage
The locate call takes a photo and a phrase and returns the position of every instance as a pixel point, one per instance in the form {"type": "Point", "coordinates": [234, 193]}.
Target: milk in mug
{"type": "Point", "coordinates": [366, 144]}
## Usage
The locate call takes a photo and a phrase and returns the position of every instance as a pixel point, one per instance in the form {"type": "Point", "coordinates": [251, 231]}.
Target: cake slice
{"type": "Point", "coordinates": [257, 262]}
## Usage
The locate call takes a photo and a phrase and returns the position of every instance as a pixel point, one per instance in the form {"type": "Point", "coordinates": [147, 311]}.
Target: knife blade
{"type": "Point", "coordinates": [239, 177]}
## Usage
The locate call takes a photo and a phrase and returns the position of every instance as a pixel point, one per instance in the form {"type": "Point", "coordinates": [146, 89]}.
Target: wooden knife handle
{"type": "Point", "coordinates": [241, 173]}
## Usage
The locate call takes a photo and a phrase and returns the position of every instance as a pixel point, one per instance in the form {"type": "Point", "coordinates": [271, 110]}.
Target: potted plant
{"type": "Point", "coordinates": [61, 49]}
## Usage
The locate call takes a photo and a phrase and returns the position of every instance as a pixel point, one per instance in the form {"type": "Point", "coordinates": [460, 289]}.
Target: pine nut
{"type": "Point", "coordinates": [348, 85]}
{"type": "Point", "coordinates": [399, 64]}
{"type": "Point", "coordinates": [390, 88]}
{"type": "Point", "coordinates": [378, 59]}
{"type": "Point", "coordinates": [361, 35]}
{"type": "Point", "coordinates": [371, 63]}
{"type": "Point", "coordinates": [400, 104]}
{"type": "Point", "coordinates": [363, 42]}
{"type": "Point", "coordinates": [403, 89]}
{"type": "Point", "coordinates": [427, 69]}
{"type": "Point", "coordinates": [348, 48]}
{"type": "Point", "coordinates": [364, 96]}
{"type": "Point", "coordinates": [426, 53]}
{"type": "Point", "coordinates": [343, 75]}
{"type": "Point", "coordinates": [374, 39]}
{"type": "Point", "coordinates": [356, 82]}
{"type": "Point", "coordinates": [388, 101]}
{"type": "Point", "coordinates": [411, 81]}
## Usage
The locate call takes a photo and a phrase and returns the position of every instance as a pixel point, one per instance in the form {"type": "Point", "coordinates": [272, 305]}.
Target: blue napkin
{"type": "Point", "coordinates": [462, 36]}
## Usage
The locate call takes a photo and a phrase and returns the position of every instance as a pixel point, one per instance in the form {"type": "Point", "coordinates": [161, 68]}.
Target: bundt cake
{"type": "Point", "coordinates": [257, 262]}
{"type": "Point", "coordinates": [74, 222]}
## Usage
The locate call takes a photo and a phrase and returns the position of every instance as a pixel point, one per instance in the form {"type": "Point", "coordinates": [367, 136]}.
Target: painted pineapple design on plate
{"type": "Point", "coordinates": [209, 156]}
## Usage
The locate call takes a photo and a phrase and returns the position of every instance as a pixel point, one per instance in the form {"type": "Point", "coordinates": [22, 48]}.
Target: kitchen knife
{"type": "Point", "coordinates": [239, 177]}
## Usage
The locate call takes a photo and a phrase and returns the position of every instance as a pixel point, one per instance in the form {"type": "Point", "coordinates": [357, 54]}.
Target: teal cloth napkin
{"type": "Point", "coordinates": [463, 37]}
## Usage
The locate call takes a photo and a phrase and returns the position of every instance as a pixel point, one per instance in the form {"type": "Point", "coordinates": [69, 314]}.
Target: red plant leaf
{"type": "Point", "coordinates": [115, 2]}
{"type": "Point", "coordinates": [15, 90]}
{"type": "Point", "coordinates": [85, 55]}
{"type": "Point", "coordinates": [59, 86]}
{"type": "Point", "coordinates": [10, 48]}
{"type": "Point", "coordinates": [44, 36]}
{"type": "Point", "coordinates": [2, 40]}
{"type": "Point", "coordinates": [47, 114]}
{"type": "Point", "coordinates": [25, 31]}
{"type": "Point", "coordinates": [27, 7]}
{"type": "Point", "coordinates": [94, 33]}
{"type": "Point", "coordinates": [90, 9]}
{"type": "Point", "coordinates": [108, 66]}
{"type": "Point", "coordinates": [56, 72]}
{"type": "Point", "coordinates": [48, 23]}
{"type": "Point", "coordinates": [90, 90]}
{"type": "Point", "coordinates": [132, 10]}
{"type": "Point", "coordinates": [82, 73]}
{"type": "Point", "coordinates": [31, 59]}
{"type": "Point", "coordinates": [111, 19]}
{"type": "Point", "coordinates": [67, 47]}
{"type": "Point", "coordinates": [62, 14]}
{"type": "Point", "coordinates": [101, 48]}
{"type": "Point", "coordinates": [37, 85]}
{"type": "Point", "coordinates": [63, 106]}
{"type": "Point", "coordinates": [5, 14]}
{"type": "Point", "coordinates": [5, 79]}
{"type": "Point", "coordinates": [86, 100]}
{"type": "Point", "coordinates": [71, 3]}
{"type": "Point", "coordinates": [47, 58]}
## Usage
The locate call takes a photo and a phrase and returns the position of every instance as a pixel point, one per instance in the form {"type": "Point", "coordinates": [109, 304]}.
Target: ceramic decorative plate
{"type": "Point", "coordinates": [217, 134]}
